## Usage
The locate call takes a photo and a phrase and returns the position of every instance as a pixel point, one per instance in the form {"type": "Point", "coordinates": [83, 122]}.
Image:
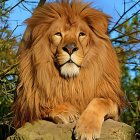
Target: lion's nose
{"type": "Point", "coordinates": [70, 48]}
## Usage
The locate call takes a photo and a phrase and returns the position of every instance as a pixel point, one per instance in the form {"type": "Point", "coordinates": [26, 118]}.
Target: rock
{"type": "Point", "coordinates": [44, 130]}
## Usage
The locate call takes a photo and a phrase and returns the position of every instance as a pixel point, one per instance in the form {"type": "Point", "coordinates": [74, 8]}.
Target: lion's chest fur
{"type": "Point", "coordinates": [77, 91]}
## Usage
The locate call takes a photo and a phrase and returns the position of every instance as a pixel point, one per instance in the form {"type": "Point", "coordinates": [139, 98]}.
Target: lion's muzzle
{"type": "Point", "coordinates": [69, 68]}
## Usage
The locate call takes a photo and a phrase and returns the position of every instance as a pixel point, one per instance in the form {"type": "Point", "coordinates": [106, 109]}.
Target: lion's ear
{"type": "Point", "coordinates": [100, 21]}
{"type": "Point", "coordinates": [97, 21]}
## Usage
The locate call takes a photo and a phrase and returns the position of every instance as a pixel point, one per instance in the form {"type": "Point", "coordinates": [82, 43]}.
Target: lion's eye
{"type": "Point", "coordinates": [82, 34]}
{"type": "Point", "coordinates": [58, 34]}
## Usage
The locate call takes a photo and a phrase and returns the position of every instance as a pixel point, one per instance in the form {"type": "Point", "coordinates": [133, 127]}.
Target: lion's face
{"type": "Point", "coordinates": [69, 44]}
{"type": "Point", "coordinates": [70, 33]}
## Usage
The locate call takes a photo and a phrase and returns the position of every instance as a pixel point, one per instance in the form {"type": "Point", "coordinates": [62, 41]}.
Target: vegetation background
{"type": "Point", "coordinates": [125, 36]}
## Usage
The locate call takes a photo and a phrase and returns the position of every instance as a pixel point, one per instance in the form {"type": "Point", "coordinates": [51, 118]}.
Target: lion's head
{"type": "Point", "coordinates": [65, 56]}
{"type": "Point", "coordinates": [71, 33]}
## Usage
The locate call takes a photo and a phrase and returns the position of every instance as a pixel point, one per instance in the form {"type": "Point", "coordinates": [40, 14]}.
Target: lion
{"type": "Point", "coordinates": [69, 71]}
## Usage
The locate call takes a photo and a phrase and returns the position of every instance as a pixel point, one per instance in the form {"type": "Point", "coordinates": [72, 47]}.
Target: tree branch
{"type": "Point", "coordinates": [115, 26]}
{"type": "Point", "coordinates": [2, 74]}
{"type": "Point", "coordinates": [41, 3]}
{"type": "Point", "coordinates": [26, 8]}
{"type": "Point", "coordinates": [124, 35]}
{"type": "Point", "coordinates": [12, 7]}
{"type": "Point", "coordinates": [121, 41]}
{"type": "Point", "coordinates": [124, 4]}
{"type": "Point", "coordinates": [124, 21]}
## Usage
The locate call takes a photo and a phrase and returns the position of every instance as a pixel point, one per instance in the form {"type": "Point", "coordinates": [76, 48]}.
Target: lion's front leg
{"type": "Point", "coordinates": [64, 113]}
{"type": "Point", "coordinates": [90, 122]}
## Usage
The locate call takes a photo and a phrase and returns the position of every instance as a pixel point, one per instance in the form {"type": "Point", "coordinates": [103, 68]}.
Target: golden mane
{"type": "Point", "coordinates": [41, 86]}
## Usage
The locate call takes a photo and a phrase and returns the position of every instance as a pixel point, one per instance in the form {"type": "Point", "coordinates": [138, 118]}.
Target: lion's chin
{"type": "Point", "coordinates": [69, 70]}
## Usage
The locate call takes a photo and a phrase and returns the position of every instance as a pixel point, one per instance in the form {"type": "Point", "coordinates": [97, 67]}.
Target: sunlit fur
{"type": "Point", "coordinates": [43, 85]}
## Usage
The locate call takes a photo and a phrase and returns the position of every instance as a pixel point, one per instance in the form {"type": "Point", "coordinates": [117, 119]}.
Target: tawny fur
{"type": "Point", "coordinates": [41, 87]}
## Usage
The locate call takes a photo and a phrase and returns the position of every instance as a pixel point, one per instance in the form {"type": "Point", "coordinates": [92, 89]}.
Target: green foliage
{"type": "Point", "coordinates": [131, 87]}
{"type": "Point", "coordinates": [8, 77]}
{"type": "Point", "coordinates": [8, 42]}
{"type": "Point", "coordinates": [129, 56]}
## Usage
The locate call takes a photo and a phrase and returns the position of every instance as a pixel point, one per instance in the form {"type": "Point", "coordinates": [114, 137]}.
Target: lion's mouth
{"type": "Point", "coordinates": [68, 68]}
{"type": "Point", "coordinates": [71, 62]}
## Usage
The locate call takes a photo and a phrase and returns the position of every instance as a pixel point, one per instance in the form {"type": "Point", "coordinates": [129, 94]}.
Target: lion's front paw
{"type": "Point", "coordinates": [88, 128]}
{"type": "Point", "coordinates": [64, 114]}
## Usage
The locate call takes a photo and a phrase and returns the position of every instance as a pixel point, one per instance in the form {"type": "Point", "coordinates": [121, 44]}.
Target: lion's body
{"type": "Point", "coordinates": [48, 77]}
